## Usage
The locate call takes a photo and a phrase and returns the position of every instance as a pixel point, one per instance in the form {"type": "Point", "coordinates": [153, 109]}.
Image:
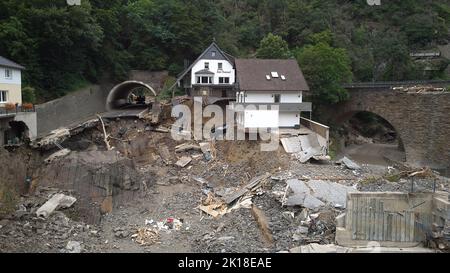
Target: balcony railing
{"type": "Point", "coordinates": [17, 109]}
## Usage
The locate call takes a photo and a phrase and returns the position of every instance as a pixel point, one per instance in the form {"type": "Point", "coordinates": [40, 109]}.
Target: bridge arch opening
{"type": "Point", "coordinates": [130, 94]}
{"type": "Point", "coordinates": [370, 138]}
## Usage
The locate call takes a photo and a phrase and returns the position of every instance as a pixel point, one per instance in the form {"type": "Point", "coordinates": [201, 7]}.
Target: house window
{"type": "Point", "coordinates": [220, 66]}
{"type": "Point", "coordinates": [8, 73]}
{"type": "Point", "coordinates": [206, 65]}
{"type": "Point", "coordinates": [204, 79]}
{"type": "Point", "coordinates": [3, 96]}
{"type": "Point", "coordinates": [213, 53]}
{"type": "Point", "coordinates": [276, 98]}
{"type": "Point", "coordinates": [224, 80]}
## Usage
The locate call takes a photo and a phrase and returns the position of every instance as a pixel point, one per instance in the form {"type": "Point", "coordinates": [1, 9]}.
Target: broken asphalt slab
{"type": "Point", "coordinates": [316, 193]}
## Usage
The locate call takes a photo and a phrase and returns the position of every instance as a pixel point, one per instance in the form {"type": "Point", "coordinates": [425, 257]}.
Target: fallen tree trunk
{"type": "Point", "coordinates": [106, 136]}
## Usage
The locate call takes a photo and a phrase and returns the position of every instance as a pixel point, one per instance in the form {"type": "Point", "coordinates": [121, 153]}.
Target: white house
{"type": "Point", "coordinates": [274, 83]}
{"type": "Point", "coordinates": [269, 93]}
{"type": "Point", "coordinates": [212, 74]}
{"type": "Point", "coordinates": [16, 123]}
{"type": "Point", "coordinates": [10, 82]}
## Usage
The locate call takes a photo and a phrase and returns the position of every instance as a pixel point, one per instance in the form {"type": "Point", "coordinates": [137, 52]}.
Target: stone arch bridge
{"type": "Point", "coordinates": [421, 120]}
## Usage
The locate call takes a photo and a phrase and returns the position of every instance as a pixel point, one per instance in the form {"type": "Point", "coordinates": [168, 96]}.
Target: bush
{"type": "Point", "coordinates": [28, 94]}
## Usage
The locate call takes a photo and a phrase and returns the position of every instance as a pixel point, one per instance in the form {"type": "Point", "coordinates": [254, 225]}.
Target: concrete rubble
{"type": "Point", "coordinates": [57, 155]}
{"type": "Point", "coordinates": [183, 161]}
{"type": "Point", "coordinates": [57, 201]}
{"type": "Point", "coordinates": [314, 194]}
{"type": "Point", "coordinates": [73, 247]}
{"type": "Point", "coordinates": [419, 89]}
{"type": "Point", "coordinates": [349, 163]}
{"type": "Point", "coordinates": [150, 193]}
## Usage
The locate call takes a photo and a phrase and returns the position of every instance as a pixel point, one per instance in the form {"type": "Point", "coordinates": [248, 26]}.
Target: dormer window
{"type": "Point", "coordinates": [206, 65]}
{"type": "Point", "coordinates": [8, 74]}
{"type": "Point", "coordinates": [213, 53]}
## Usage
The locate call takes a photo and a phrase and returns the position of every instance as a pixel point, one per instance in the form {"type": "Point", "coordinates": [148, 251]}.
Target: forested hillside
{"type": "Point", "coordinates": [64, 46]}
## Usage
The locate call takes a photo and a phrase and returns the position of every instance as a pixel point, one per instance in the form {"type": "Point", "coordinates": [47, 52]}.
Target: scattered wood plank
{"type": "Point", "coordinates": [105, 135]}
{"type": "Point", "coordinates": [161, 129]}
{"type": "Point", "coordinates": [209, 210]}
{"type": "Point", "coordinates": [262, 224]}
{"type": "Point", "coordinates": [186, 147]}
{"type": "Point", "coordinates": [254, 182]}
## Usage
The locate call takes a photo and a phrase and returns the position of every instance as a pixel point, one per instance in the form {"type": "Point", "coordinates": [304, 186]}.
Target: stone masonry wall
{"type": "Point", "coordinates": [422, 121]}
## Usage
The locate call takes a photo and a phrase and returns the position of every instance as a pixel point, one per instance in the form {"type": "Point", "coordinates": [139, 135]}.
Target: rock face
{"type": "Point", "coordinates": [101, 179]}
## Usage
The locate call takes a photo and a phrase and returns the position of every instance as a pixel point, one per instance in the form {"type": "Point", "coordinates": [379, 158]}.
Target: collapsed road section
{"type": "Point", "coordinates": [124, 185]}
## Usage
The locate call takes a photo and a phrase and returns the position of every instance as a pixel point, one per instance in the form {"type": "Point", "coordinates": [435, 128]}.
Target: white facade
{"type": "Point", "coordinates": [251, 118]}
{"type": "Point", "coordinates": [10, 85]}
{"type": "Point", "coordinates": [261, 119]}
{"type": "Point", "coordinates": [270, 97]}
{"type": "Point", "coordinates": [227, 71]}
{"type": "Point", "coordinates": [10, 76]}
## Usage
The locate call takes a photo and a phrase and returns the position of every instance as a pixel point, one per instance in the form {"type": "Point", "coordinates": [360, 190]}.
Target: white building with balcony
{"type": "Point", "coordinates": [211, 75]}
{"type": "Point", "coordinates": [274, 88]}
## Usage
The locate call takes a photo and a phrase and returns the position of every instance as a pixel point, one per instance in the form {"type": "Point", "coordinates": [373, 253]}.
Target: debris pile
{"type": "Point", "coordinates": [57, 201]}
{"type": "Point", "coordinates": [194, 191]}
{"type": "Point", "coordinates": [419, 89]}
{"type": "Point", "coordinates": [145, 236]}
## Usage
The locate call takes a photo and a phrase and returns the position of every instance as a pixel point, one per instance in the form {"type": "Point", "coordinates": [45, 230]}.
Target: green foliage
{"type": "Point", "coordinates": [64, 47]}
{"type": "Point", "coordinates": [273, 47]}
{"type": "Point", "coordinates": [28, 94]}
{"type": "Point", "coordinates": [166, 92]}
{"type": "Point", "coordinates": [325, 37]}
{"type": "Point", "coordinates": [325, 68]}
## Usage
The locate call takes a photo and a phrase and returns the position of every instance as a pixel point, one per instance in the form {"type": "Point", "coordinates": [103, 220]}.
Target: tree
{"type": "Point", "coordinates": [273, 47]}
{"type": "Point", "coordinates": [325, 68]}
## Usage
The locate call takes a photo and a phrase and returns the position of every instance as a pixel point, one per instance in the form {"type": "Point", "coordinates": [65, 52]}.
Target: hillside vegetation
{"type": "Point", "coordinates": [64, 47]}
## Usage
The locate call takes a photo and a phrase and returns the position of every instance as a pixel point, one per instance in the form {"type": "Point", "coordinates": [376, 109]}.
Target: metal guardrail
{"type": "Point", "coordinates": [392, 83]}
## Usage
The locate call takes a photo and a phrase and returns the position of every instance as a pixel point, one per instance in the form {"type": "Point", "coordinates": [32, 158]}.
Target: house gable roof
{"type": "Point", "coordinates": [204, 71]}
{"type": "Point", "coordinates": [252, 75]}
{"type": "Point", "coordinates": [208, 54]}
{"type": "Point", "coordinates": [8, 63]}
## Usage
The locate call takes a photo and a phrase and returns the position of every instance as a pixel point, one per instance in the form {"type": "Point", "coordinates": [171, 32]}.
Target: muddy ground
{"type": "Point", "coordinates": [137, 185]}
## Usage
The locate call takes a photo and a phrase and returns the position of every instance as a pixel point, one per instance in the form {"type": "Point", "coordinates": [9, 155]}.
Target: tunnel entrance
{"type": "Point", "coordinates": [370, 139]}
{"type": "Point", "coordinates": [130, 95]}
{"type": "Point", "coordinates": [16, 134]}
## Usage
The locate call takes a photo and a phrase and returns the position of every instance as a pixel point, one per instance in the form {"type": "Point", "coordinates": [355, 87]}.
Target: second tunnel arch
{"type": "Point", "coordinates": [385, 137]}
